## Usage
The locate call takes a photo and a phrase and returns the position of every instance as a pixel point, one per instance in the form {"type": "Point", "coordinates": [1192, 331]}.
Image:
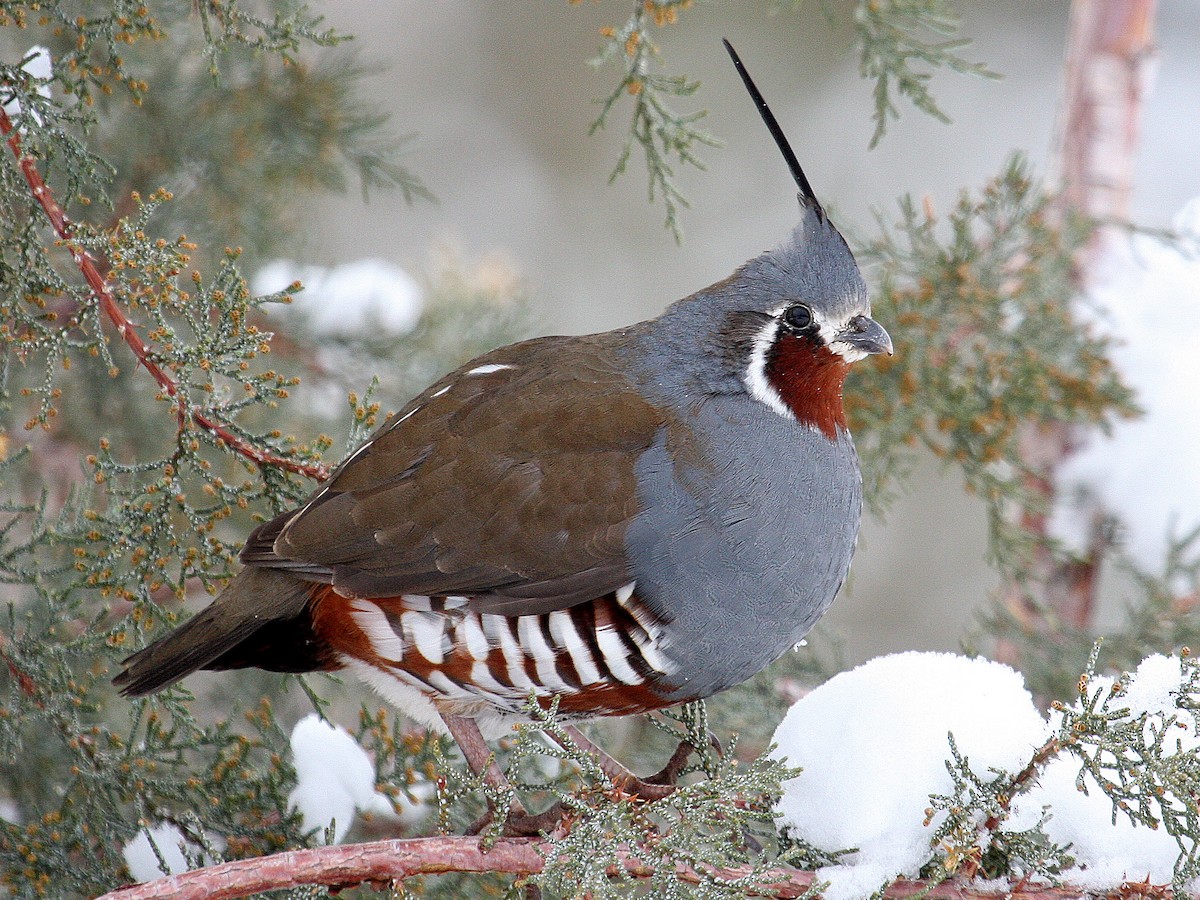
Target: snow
{"type": "Point", "coordinates": [1155, 686]}
{"type": "Point", "coordinates": [345, 299]}
{"type": "Point", "coordinates": [335, 778]}
{"type": "Point", "coordinates": [873, 746]}
{"type": "Point", "coordinates": [140, 857]}
{"type": "Point", "coordinates": [1108, 853]}
{"type": "Point", "coordinates": [1147, 295]}
{"type": "Point", "coordinates": [40, 69]}
{"type": "Point", "coordinates": [9, 811]}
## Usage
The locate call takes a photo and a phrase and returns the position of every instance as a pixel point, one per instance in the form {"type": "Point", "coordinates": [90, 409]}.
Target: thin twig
{"type": "Point", "coordinates": [1024, 778]}
{"type": "Point", "coordinates": [88, 267]}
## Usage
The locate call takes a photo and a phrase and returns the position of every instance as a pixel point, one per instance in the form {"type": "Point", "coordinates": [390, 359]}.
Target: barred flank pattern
{"type": "Point", "coordinates": [604, 657]}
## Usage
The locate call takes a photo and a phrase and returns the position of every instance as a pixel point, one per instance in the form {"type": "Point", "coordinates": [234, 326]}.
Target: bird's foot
{"type": "Point", "coordinates": [533, 824]}
{"type": "Point", "coordinates": [669, 774]}
{"type": "Point", "coordinates": [519, 822]}
{"type": "Point", "coordinates": [659, 785]}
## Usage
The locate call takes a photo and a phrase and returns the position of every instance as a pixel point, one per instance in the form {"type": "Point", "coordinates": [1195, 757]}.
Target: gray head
{"type": "Point", "coordinates": [786, 325]}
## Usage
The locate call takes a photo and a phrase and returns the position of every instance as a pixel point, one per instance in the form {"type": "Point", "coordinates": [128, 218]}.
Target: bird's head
{"type": "Point", "coordinates": [786, 326]}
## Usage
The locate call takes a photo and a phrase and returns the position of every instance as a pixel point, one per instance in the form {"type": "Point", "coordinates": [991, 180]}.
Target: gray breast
{"type": "Point", "coordinates": [744, 540]}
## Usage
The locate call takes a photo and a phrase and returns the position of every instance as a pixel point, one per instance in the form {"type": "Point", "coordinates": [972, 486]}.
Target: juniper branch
{"type": "Point", "coordinates": [654, 125]}
{"type": "Point", "coordinates": [1024, 779]}
{"type": "Point", "coordinates": [349, 865]}
{"type": "Point", "coordinates": [89, 268]}
{"type": "Point", "coordinates": [895, 56]}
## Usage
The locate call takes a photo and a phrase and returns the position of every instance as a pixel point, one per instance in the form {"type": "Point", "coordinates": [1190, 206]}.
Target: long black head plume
{"type": "Point", "coordinates": [807, 197]}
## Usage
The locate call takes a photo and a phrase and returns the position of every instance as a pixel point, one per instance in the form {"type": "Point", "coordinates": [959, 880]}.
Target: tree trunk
{"type": "Point", "coordinates": [1107, 75]}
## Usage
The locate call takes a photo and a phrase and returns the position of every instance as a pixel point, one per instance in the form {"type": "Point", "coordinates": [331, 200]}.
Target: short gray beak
{"type": "Point", "coordinates": [867, 335]}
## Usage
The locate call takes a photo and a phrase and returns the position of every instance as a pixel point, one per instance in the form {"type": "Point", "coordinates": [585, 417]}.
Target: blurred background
{"type": "Point", "coordinates": [500, 97]}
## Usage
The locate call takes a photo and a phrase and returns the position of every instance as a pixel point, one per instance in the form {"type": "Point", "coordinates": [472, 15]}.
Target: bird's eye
{"type": "Point", "coordinates": [797, 317]}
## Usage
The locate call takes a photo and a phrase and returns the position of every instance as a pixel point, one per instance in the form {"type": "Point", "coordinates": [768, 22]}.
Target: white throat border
{"type": "Point", "coordinates": [756, 380]}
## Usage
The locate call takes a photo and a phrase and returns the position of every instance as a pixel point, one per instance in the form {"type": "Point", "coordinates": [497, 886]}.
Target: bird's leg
{"type": "Point", "coordinates": [647, 789]}
{"type": "Point", "coordinates": [517, 822]}
{"type": "Point", "coordinates": [475, 750]}
{"type": "Point", "coordinates": [669, 774]}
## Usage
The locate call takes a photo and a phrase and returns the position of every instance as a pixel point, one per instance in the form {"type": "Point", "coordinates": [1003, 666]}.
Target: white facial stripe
{"type": "Point", "coordinates": [829, 332]}
{"type": "Point", "coordinates": [756, 372]}
{"type": "Point", "coordinates": [848, 352]}
{"type": "Point", "coordinates": [829, 335]}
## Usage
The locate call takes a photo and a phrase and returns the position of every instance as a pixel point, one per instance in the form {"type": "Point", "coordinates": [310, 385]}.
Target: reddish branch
{"type": "Point", "coordinates": [88, 267]}
{"type": "Point", "coordinates": [384, 862]}
{"type": "Point", "coordinates": [24, 679]}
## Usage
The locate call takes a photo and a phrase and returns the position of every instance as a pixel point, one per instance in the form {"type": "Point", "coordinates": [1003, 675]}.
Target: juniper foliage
{"type": "Point", "coordinates": [141, 431]}
{"type": "Point", "coordinates": [1158, 612]}
{"type": "Point", "coordinates": [977, 301]}
{"type": "Point", "coordinates": [655, 127]}
{"type": "Point", "coordinates": [902, 42]}
{"type": "Point", "coordinates": [896, 52]}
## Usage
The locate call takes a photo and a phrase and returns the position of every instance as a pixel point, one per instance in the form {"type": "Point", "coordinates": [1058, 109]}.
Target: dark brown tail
{"type": "Point", "coordinates": [262, 619]}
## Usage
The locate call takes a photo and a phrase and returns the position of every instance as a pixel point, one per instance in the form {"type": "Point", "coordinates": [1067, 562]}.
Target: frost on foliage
{"type": "Point", "coordinates": [1108, 847]}
{"type": "Point", "coordinates": [334, 779]}
{"type": "Point", "coordinates": [1147, 299]}
{"type": "Point", "coordinates": [345, 299]}
{"type": "Point", "coordinates": [872, 744]}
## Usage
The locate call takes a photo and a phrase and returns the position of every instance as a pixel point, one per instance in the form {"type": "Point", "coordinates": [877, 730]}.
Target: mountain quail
{"type": "Point", "coordinates": [626, 520]}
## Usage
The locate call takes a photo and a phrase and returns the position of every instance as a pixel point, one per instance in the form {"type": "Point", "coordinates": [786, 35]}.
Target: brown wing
{"type": "Point", "coordinates": [510, 481]}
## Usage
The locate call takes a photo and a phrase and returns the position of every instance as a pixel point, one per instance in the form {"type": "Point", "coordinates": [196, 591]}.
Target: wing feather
{"type": "Point", "coordinates": [513, 486]}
